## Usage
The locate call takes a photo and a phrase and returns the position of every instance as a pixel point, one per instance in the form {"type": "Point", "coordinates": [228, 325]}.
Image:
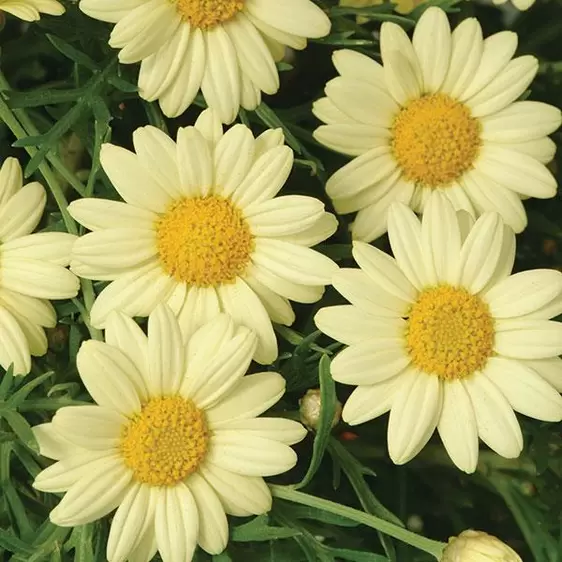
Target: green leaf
{"type": "Point", "coordinates": [356, 555]}
{"type": "Point", "coordinates": [328, 401]}
{"type": "Point", "coordinates": [40, 98]}
{"type": "Point", "coordinates": [22, 393]}
{"type": "Point", "coordinates": [6, 382]}
{"type": "Point", "coordinates": [259, 530]}
{"type": "Point", "coordinates": [269, 118]}
{"type": "Point", "coordinates": [21, 428]}
{"type": "Point", "coordinates": [12, 544]}
{"type": "Point", "coordinates": [71, 53]}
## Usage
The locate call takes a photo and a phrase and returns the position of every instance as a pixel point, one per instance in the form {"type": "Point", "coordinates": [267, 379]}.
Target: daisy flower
{"type": "Point", "coordinates": [444, 337]}
{"type": "Point", "coordinates": [201, 229]}
{"type": "Point", "coordinates": [440, 115]}
{"type": "Point", "coordinates": [173, 441]}
{"type": "Point", "coordinates": [32, 270]}
{"type": "Point", "coordinates": [31, 10]}
{"type": "Point", "coordinates": [225, 48]}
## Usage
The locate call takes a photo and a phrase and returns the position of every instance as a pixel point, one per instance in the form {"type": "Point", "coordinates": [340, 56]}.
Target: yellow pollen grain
{"type": "Point", "coordinates": [206, 14]}
{"type": "Point", "coordinates": [435, 140]}
{"type": "Point", "coordinates": [204, 241]}
{"type": "Point", "coordinates": [450, 333]}
{"type": "Point", "coordinates": [166, 442]}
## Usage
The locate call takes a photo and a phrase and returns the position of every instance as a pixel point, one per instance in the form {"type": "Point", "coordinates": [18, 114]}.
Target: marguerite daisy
{"type": "Point", "coordinates": [31, 10]}
{"type": "Point", "coordinates": [226, 48]}
{"type": "Point", "coordinates": [32, 270]}
{"type": "Point", "coordinates": [201, 228]}
{"type": "Point", "coordinates": [173, 443]}
{"type": "Point", "coordinates": [439, 115]}
{"type": "Point", "coordinates": [443, 336]}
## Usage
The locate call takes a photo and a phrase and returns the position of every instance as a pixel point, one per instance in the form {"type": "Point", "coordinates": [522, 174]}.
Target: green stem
{"type": "Point", "coordinates": [9, 118]}
{"type": "Point", "coordinates": [422, 543]}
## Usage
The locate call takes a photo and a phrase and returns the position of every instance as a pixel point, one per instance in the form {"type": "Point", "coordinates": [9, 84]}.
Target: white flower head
{"type": "Point", "coordinates": [173, 441]}
{"type": "Point", "coordinates": [31, 10]}
{"type": "Point", "coordinates": [444, 337]}
{"type": "Point", "coordinates": [32, 270]}
{"type": "Point", "coordinates": [476, 546]}
{"type": "Point", "coordinates": [225, 48]}
{"type": "Point", "coordinates": [440, 115]}
{"type": "Point", "coordinates": [202, 230]}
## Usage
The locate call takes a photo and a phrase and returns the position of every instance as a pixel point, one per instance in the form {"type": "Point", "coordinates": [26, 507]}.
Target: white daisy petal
{"type": "Point", "coordinates": [37, 311]}
{"type": "Point", "coordinates": [245, 307]}
{"type": "Point", "coordinates": [14, 347]}
{"type": "Point", "coordinates": [352, 324]}
{"type": "Point", "coordinates": [278, 429]}
{"type": "Point", "coordinates": [414, 415]}
{"type": "Point", "coordinates": [253, 395]}
{"type": "Point", "coordinates": [165, 352]}
{"type": "Point", "coordinates": [258, 457]}
{"type": "Point", "coordinates": [51, 444]}
{"type": "Point", "coordinates": [176, 523]}
{"type": "Point", "coordinates": [367, 402]}
{"type": "Point", "coordinates": [394, 38]}
{"type": "Point", "coordinates": [549, 369]}
{"type": "Point", "coordinates": [352, 64]}
{"type": "Point", "coordinates": [134, 185]}
{"type": "Point", "coordinates": [195, 163]}
{"type": "Point", "coordinates": [94, 495]}
{"type": "Point", "coordinates": [20, 214]}
{"type": "Point", "coordinates": [212, 534]}
{"type": "Point", "coordinates": [239, 495]}
{"type": "Point", "coordinates": [528, 339]}
{"type": "Point", "coordinates": [457, 426]}
{"type": "Point", "coordinates": [277, 307]}
{"type": "Point", "coordinates": [201, 305]}
{"type": "Point", "coordinates": [54, 247]}
{"type": "Point", "coordinates": [524, 292]}
{"type": "Point", "coordinates": [11, 179]}
{"type": "Point", "coordinates": [497, 425]}
{"type": "Point", "coordinates": [371, 361]}
{"type": "Point", "coordinates": [109, 376]}
{"type": "Point", "coordinates": [526, 391]}
{"type": "Point", "coordinates": [432, 43]}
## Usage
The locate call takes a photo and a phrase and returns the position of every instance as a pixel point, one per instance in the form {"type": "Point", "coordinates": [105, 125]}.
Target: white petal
{"type": "Point", "coordinates": [53, 247]}
{"type": "Point", "coordinates": [414, 416]}
{"type": "Point", "coordinates": [195, 162]}
{"type": "Point", "coordinates": [549, 369]}
{"type": "Point", "coordinates": [528, 339]}
{"type": "Point", "coordinates": [14, 347]}
{"type": "Point", "coordinates": [524, 292]}
{"type": "Point", "coordinates": [213, 526]}
{"type": "Point", "coordinates": [11, 179]}
{"type": "Point", "coordinates": [252, 396]}
{"type": "Point", "coordinates": [283, 430]}
{"type": "Point", "coordinates": [109, 376]}
{"type": "Point", "coordinates": [200, 305]}
{"type": "Point", "coordinates": [497, 425]}
{"type": "Point", "coordinates": [526, 391]}
{"type": "Point", "coordinates": [457, 426]}
{"type": "Point", "coordinates": [176, 523]}
{"type": "Point", "coordinates": [22, 212]}
{"type": "Point", "coordinates": [94, 495]}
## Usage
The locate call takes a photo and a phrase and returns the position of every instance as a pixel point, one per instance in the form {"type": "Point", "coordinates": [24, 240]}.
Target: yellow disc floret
{"type": "Point", "coordinates": [206, 14]}
{"type": "Point", "coordinates": [450, 332]}
{"type": "Point", "coordinates": [435, 140]}
{"type": "Point", "coordinates": [166, 442]}
{"type": "Point", "coordinates": [204, 241]}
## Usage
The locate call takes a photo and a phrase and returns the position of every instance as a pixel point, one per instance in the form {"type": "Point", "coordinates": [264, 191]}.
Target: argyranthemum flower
{"type": "Point", "coordinates": [443, 336]}
{"type": "Point", "coordinates": [201, 228]}
{"type": "Point", "coordinates": [402, 6]}
{"type": "Point", "coordinates": [439, 115]}
{"type": "Point", "coordinates": [31, 10]}
{"type": "Point", "coordinates": [173, 443]}
{"type": "Point", "coordinates": [226, 48]}
{"type": "Point", "coordinates": [32, 270]}
{"type": "Point", "coordinates": [476, 546]}
{"type": "Point", "coordinates": [519, 4]}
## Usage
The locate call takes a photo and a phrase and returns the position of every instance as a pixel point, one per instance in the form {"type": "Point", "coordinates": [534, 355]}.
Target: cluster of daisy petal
{"type": "Point", "coordinates": [441, 333]}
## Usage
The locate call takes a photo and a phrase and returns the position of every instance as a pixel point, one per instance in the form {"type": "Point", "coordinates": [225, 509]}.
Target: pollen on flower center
{"type": "Point", "coordinates": [166, 442]}
{"type": "Point", "coordinates": [204, 241]}
{"type": "Point", "coordinates": [206, 14]}
{"type": "Point", "coordinates": [450, 333]}
{"type": "Point", "coordinates": [435, 140]}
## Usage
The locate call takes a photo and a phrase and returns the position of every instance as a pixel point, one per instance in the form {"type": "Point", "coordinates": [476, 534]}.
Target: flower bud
{"type": "Point", "coordinates": [477, 546]}
{"type": "Point", "coordinates": [311, 406]}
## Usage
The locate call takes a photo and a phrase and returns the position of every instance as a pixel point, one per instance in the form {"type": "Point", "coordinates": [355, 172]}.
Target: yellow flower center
{"type": "Point", "coordinates": [206, 14]}
{"type": "Point", "coordinates": [166, 442]}
{"type": "Point", "coordinates": [435, 140]}
{"type": "Point", "coordinates": [204, 241]}
{"type": "Point", "coordinates": [450, 332]}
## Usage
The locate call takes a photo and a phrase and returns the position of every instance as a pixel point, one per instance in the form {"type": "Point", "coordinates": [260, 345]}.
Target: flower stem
{"type": "Point", "coordinates": [11, 121]}
{"type": "Point", "coordinates": [422, 543]}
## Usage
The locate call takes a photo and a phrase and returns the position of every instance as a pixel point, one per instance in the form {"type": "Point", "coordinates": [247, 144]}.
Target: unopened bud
{"type": "Point", "coordinates": [477, 546]}
{"type": "Point", "coordinates": [311, 406]}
